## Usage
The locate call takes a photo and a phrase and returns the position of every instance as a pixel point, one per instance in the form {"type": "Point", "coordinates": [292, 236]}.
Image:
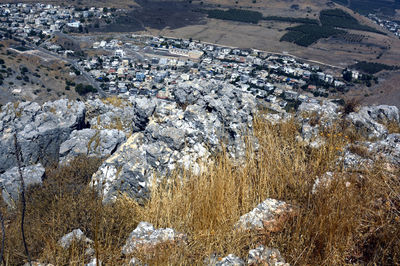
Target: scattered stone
{"type": "Point", "coordinates": [145, 238]}
{"type": "Point", "coordinates": [35, 263]}
{"type": "Point", "coordinates": [266, 256]}
{"type": "Point", "coordinates": [11, 185]}
{"type": "Point", "coordinates": [93, 262]}
{"type": "Point", "coordinates": [322, 181]}
{"type": "Point", "coordinates": [76, 235]}
{"type": "Point", "coordinates": [135, 262]}
{"type": "Point", "coordinates": [269, 216]}
{"type": "Point", "coordinates": [230, 260]}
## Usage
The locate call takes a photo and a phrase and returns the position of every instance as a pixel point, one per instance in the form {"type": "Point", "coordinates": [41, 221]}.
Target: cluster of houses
{"type": "Point", "coordinates": [33, 22]}
{"type": "Point", "coordinates": [278, 79]}
{"type": "Point", "coordinates": [151, 65]}
{"type": "Point", "coordinates": [388, 24]}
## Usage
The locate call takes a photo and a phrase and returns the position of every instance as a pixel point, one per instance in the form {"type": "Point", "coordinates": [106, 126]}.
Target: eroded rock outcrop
{"type": "Point", "coordinates": [370, 120]}
{"type": "Point", "coordinates": [129, 115]}
{"type": "Point", "coordinates": [179, 136]}
{"type": "Point", "coordinates": [11, 185]}
{"type": "Point", "coordinates": [91, 142]}
{"type": "Point", "coordinates": [40, 130]}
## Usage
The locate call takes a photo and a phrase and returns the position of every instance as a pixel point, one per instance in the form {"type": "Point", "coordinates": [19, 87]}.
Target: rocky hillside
{"type": "Point", "coordinates": [140, 140]}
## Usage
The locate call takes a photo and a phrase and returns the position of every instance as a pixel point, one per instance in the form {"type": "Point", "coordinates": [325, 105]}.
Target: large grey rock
{"type": "Point", "coordinates": [186, 94]}
{"type": "Point", "coordinates": [40, 130]}
{"type": "Point", "coordinates": [11, 185]}
{"type": "Point", "coordinates": [91, 142]}
{"type": "Point", "coordinates": [370, 120]}
{"type": "Point", "coordinates": [145, 238]}
{"type": "Point", "coordinates": [176, 136]}
{"type": "Point", "coordinates": [129, 115]}
{"type": "Point", "coordinates": [270, 215]}
{"type": "Point", "coordinates": [324, 112]}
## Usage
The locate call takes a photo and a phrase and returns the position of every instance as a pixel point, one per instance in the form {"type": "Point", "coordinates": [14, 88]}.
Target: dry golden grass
{"type": "Point", "coordinates": [116, 101]}
{"type": "Point", "coordinates": [393, 127]}
{"type": "Point", "coordinates": [356, 219]}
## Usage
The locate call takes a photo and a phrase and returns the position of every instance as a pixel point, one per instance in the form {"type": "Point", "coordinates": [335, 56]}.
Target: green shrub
{"type": "Point", "coordinates": [84, 89]}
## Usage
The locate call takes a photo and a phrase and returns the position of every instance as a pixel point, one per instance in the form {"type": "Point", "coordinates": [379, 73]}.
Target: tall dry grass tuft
{"type": "Point", "coordinates": [354, 219]}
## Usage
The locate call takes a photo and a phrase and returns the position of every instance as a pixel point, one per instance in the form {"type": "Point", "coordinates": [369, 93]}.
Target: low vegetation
{"type": "Point", "coordinates": [342, 224]}
{"type": "Point", "coordinates": [373, 68]}
{"type": "Point", "coordinates": [333, 21]}
{"type": "Point", "coordinates": [84, 89]}
{"type": "Point", "coordinates": [292, 20]}
{"type": "Point", "coordinates": [365, 7]}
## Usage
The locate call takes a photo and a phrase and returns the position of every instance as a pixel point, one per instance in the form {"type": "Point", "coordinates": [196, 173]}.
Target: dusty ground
{"type": "Point", "coordinates": [47, 77]}
{"type": "Point", "coordinates": [387, 91]}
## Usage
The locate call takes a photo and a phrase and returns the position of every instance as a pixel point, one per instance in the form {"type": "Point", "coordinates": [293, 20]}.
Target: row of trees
{"type": "Point", "coordinates": [292, 20]}
{"type": "Point", "coordinates": [338, 18]}
{"type": "Point", "coordinates": [236, 15]}
{"type": "Point", "coordinates": [373, 68]}
{"type": "Point", "coordinates": [305, 35]}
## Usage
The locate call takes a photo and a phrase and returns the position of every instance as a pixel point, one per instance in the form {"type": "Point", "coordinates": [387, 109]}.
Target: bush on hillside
{"type": "Point", "coordinates": [84, 89]}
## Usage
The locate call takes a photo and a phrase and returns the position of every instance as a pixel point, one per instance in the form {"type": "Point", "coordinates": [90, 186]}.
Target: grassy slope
{"type": "Point", "coordinates": [340, 225]}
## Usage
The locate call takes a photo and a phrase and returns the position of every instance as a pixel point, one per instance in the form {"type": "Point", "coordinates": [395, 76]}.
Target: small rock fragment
{"type": "Point", "coordinates": [145, 238]}
{"type": "Point", "coordinates": [268, 216]}
{"type": "Point", "coordinates": [76, 235]}
{"type": "Point", "coordinates": [230, 260]}
{"type": "Point", "coordinates": [265, 256]}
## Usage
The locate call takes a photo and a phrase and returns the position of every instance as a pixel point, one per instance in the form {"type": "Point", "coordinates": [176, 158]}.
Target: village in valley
{"type": "Point", "coordinates": [130, 64]}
